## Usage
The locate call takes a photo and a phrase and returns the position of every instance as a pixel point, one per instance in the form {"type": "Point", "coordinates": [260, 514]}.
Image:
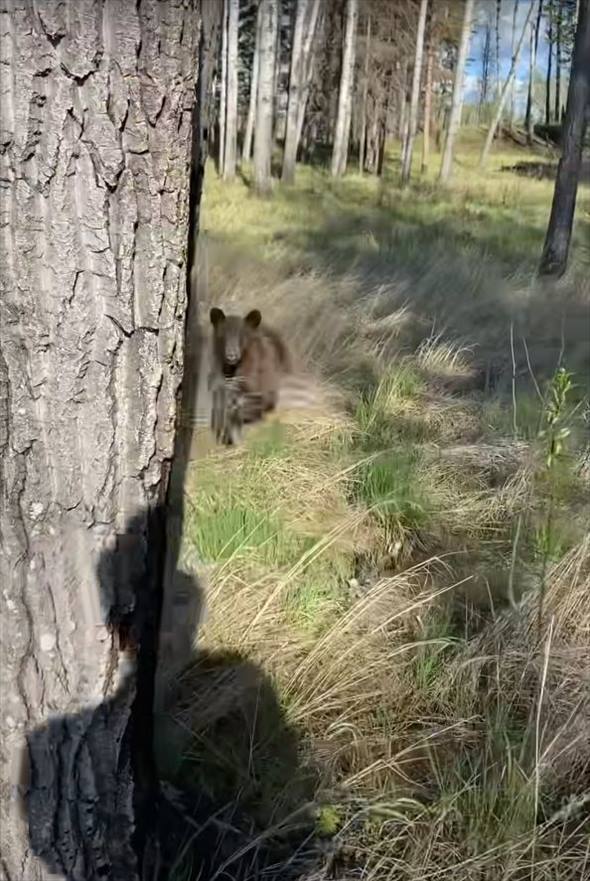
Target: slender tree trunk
{"type": "Point", "coordinates": [505, 88]}
{"type": "Point", "coordinates": [512, 44]}
{"type": "Point", "coordinates": [532, 68]}
{"type": "Point", "coordinates": [96, 128]}
{"type": "Point", "coordinates": [231, 124]}
{"type": "Point", "coordinates": [558, 65]}
{"type": "Point", "coordinates": [340, 150]}
{"type": "Point", "coordinates": [428, 98]}
{"type": "Point", "coordinates": [250, 121]}
{"type": "Point", "coordinates": [264, 104]}
{"type": "Point", "coordinates": [295, 88]}
{"type": "Point", "coordinates": [308, 61]}
{"type": "Point", "coordinates": [223, 89]}
{"type": "Point", "coordinates": [277, 77]}
{"type": "Point", "coordinates": [548, 72]}
{"type": "Point", "coordinates": [415, 97]}
{"type": "Point", "coordinates": [557, 241]}
{"type": "Point", "coordinates": [457, 99]}
{"type": "Point", "coordinates": [303, 34]}
{"type": "Point", "coordinates": [498, 72]}
{"type": "Point", "coordinates": [363, 132]}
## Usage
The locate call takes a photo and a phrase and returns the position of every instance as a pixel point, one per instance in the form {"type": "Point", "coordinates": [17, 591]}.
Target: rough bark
{"type": "Point", "coordinates": [264, 102]}
{"type": "Point", "coordinates": [250, 121]}
{"type": "Point", "coordinates": [504, 94]}
{"type": "Point", "coordinates": [498, 77]}
{"type": "Point", "coordinates": [457, 98]}
{"type": "Point", "coordinates": [340, 150]}
{"type": "Point", "coordinates": [231, 113]}
{"type": "Point", "coordinates": [303, 34]}
{"type": "Point", "coordinates": [415, 95]}
{"type": "Point", "coordinates": [95, 153]}
{"type": "Point", "coordinates": [559, 231]}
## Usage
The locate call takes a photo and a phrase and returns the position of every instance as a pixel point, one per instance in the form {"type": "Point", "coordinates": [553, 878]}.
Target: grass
{"type": "Point", "coordinates": [372, 690]}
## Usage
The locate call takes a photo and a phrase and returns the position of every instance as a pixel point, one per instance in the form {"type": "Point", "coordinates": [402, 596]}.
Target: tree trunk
{"type": "Point", "coordinates": [303, 34]}
{"type": "Point", "coordinates": [231, 123]}
{"type": "Point", "coordinates": [363, 132]}
{"type": "Point", "coordinates": [498, 73]}
{"type": "Point", "coordinates": [250, 122]}
{"type": "Point", "coordinates": [558, 66]}
{"type": "Point", "coordinates": [512, 43]}
{"type": "Point", "coordinates": [96, 133]}
{"type": "Point", "coordinates": [532, 67]}
{"type": "Point", "coordinates": [548, 73]}
{"type": "Point", "coordinates": [457, 99]}
{"type": "Point", "coordinates": [264, 103]}
{"type": "Point", "coordinates": [415, 97]}
{"type": "Point", "coordinates": [428, 99]}
{"type": "Point", "coordinates": [557, 241]}
{"type": "Point", "coordinates": [308, 63]}
{"type": "Point", "coordinates": [295, 88]}
{"type": "Point", "coordinates": [340, 150]}
{"type": "Point", "coordinates": [223, 89]}
{"type": "Point", "coordinates": [511, 73]}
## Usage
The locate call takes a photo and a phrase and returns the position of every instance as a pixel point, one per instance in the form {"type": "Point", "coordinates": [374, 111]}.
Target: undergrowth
{"type": "Point", "coordinates": [392, 675]}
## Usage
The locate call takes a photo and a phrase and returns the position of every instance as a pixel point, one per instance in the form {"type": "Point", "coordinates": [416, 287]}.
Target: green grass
{"type": "Point", "coordinates": [361, 560]}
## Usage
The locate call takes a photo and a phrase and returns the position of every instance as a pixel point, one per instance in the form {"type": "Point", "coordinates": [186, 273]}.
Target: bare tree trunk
{"type": "Point", "coordinates": [559, 231]}
{"type": "Point", "coordinates": [485, 72]}
{"type": "Point", "coordinates": [231, 123]}
{"type": "Point", "coordinates": [428, 98]}
{"type": "Point", "coordinates": [250, 121]}
{"type": "Point", "coordinates": [548, 73]}
{"type": "Point", "coordinates": [558, 65]}
{"type": "Point", "coordinates": [96, 120]}
{"type": "Point", "coordinates": [295, 87]}
{"type": "Point", "coordinates": [511, 73]}
{"type": "Point", "coordinates": [415, 97]}
{"type": "Point", "coordinates": [498, 74]}
{"type": "Point", "coordinates": [223, 89]}
{"type": "Point", "coordinates": [363, 132]}
{"type": "Point", "coordinates": [457, 99]}
{"type": "Point", "coordinates": [532, 68]}
{"type": "Point", "coordinates": [513, 82]}
{"type": "Point", "coordinates": [303, 35]}
{"type": "Point", "coordinates": [340, 150]}
{"type": "Point", "coordinates": [264, 103]}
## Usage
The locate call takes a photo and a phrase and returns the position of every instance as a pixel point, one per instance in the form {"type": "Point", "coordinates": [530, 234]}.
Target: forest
{"type": "Point", "coordinates": [327, 621]}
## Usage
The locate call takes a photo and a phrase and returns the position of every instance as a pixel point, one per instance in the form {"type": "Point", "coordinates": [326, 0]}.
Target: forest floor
{"type": "Point", "coordinates": [394, 663]}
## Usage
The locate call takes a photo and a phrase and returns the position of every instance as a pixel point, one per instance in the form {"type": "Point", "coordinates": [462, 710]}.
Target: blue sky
{"type": "Point", "coordinates": [486, 9]}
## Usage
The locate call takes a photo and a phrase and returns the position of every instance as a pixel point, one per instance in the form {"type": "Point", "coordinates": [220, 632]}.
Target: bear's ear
{"type": "Point", "coordinates": [217, 316]}
{"type": "Point", "coordinates": [253, 319]}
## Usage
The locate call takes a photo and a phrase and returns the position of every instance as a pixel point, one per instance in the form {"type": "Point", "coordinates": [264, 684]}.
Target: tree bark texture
{"type": "Point", "coordinates": [415, 96]}
{"type": "Point", "coordinates": [264, 103]}
{"type": "Point", "coordinates": [558, 65]}
{"type": "Point", "coordinates": [251, 118]}
{"type": "Point", "coordinates": [231, 117]}
{"type": "Point", "coordinates": [504, 93]}
{"type": "Point", "coordinates": [95, 146]}
{"type": "Point", "coordinates": [557, 241]}
{"type": "Point", "coordinates": [310, 34]}
{"type": "Point", "coordinates": [549, 65]}
{"type": "Point", "coordinates": [340, 150]}
{"type": "Point", "coordinates": [512, 45]}
{"type": "Point", "coordinates": [457, 98]}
